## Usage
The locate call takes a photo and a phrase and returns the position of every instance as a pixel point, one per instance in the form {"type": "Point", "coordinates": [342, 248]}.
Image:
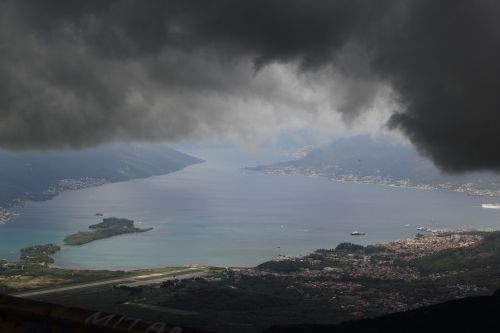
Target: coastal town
{"type": "Point", "coordinates": [349, 275]}
{"type": "Point", "coordinates": [333, 173]}
{"type": "Point", "coordinates": [73, 185]}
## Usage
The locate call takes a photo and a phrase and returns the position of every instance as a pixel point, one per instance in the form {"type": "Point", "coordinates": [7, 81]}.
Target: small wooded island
{"type": "Point", "coordinates": [109, 227]}
{"type": "Point", "coordinates": [39, 254]}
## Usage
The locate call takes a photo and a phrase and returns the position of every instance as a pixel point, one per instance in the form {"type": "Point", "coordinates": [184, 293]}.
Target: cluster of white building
{"type": "Point", "coordinates": [4, 215]}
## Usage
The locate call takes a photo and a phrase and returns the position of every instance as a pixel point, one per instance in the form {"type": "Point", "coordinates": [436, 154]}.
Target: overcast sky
{"type": "Point", "coordinates": [81, 73]}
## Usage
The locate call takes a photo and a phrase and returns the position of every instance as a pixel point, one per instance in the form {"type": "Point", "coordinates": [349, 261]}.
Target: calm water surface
{"type": "Point", "coordinates": [226, 216]}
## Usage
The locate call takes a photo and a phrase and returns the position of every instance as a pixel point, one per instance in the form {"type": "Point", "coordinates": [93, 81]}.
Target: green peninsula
{"type": "Point", "coordinates": [109, 227]}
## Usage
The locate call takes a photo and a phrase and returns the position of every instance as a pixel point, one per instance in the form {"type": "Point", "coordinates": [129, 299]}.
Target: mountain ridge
{"type": "Point", "coordinates": [383, 160]}
{"type": "Point", "coordinates": [34, 176]}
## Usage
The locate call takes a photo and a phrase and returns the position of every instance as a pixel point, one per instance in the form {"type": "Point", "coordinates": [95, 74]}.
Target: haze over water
{"type": "Point", "coordinates": [225, 216]}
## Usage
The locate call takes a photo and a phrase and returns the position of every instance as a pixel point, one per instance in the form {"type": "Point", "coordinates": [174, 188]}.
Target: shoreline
{"type": "Point", "coordinates": [436, 232]}
{"type": "Point", "coordinates": [350, 270]}
{"type": "Point", "coordinates": [63, 186]}
{"type": "Point", "coordinates": [346, 283]}
{"type": "Point", "coordinates": [7, 210]}
{"type": "Point", "coordinates": [67, 259]}
{"type": "Point", "coordinates": [354, 180]}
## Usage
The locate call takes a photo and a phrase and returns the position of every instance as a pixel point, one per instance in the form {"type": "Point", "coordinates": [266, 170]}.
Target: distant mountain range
{"type": "Point", "coordinates": [41, 175]}
{"type": "Point", "coordinates": [382, 160]}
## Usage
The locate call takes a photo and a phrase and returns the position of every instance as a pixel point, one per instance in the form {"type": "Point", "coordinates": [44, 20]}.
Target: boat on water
{"type": "Point", "coordinates": [491, 206]}
{"type": "Point", "coordinates": [99, 214]}
{"type": "Point", "coordinates": [424, 229]}
{"type": "Point", "coordinates": [357, 233]}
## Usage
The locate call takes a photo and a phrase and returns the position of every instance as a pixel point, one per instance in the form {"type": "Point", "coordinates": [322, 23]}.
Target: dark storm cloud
{"type": "Point", "coordinates": [444, 62]}
{"type": "Point", "coordinates": [78, 73]}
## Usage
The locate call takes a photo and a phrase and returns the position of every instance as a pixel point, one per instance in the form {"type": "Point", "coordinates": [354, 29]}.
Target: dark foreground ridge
{"type": "Point", "coordinates": [471, 314]}
{"type": "Point", "coordinates": [22, 315]}
{"type": "Point", "coordinates": [109, 227]}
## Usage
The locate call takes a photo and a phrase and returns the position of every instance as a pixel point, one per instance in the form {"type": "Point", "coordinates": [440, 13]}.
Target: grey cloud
{"type": "Point", "coordinates": [78, 73]}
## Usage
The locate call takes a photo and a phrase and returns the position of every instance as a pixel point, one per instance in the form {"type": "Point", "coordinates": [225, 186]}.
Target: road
{"type": "Point", "coordinates": [187, 275]}
{"type": "Point", "coordinates": [138, 280]}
